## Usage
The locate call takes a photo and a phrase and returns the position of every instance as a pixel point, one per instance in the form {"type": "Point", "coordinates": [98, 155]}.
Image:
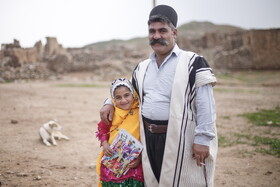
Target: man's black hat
{"type": "Point", "coordinates": [166, 11]}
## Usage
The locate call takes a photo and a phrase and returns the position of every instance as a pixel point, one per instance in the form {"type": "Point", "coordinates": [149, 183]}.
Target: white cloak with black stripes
{"type": "Point", "coordinates": [178, 167]}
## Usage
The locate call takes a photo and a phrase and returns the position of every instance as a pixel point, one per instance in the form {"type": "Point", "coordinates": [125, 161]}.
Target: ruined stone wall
{"type": "Point", "coordinates": [52, 47]}
{"type": "Point", "coordinates": [235, 50]}
{"type": "Point", "coordinates": [264, 46]}
{"type": "Point", "coordinates": [13, 55]}
{"type": "Point", "coordinates": [238, 50]}
{"type": "Point", "coordinates": [20, 56]}
{"type": "Point", "coordinates": [35, 62]}
{"type": "Point", "coordinates": [244, 50]}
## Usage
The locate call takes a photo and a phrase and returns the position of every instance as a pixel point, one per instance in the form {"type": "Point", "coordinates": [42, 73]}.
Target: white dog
{"type": "Point", "coordinates": [51, 131]}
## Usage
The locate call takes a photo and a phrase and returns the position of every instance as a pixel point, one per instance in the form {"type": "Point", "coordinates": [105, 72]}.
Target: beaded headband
{"type": "Point", "coordinates": [121, 82]}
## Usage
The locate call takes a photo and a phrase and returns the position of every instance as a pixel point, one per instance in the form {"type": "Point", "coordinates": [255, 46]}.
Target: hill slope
{"type": "Point", "coordinates": [192, 30]}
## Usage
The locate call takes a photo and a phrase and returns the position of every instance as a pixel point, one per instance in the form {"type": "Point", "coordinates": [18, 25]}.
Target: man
{"type": "Point", "coordinates": [177, 109]}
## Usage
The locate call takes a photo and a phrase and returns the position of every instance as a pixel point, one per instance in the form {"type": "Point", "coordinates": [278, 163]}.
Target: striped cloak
{"type": "Point", "coordinates": [178, 167]}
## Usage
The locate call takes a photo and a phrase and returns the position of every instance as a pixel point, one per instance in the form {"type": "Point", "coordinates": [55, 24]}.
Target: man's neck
{"type": "Point", "coordinates": [161, 57]}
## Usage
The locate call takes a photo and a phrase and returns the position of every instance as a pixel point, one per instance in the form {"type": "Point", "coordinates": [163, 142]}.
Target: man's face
{"type": "Point", "coordinates": [162, 38]}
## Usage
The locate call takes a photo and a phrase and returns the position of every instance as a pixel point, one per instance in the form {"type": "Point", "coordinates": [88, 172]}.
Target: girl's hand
{"type": "Point", "coordinates": [134, 163]}
{"type": "Point", "coordinates": [107, 149]}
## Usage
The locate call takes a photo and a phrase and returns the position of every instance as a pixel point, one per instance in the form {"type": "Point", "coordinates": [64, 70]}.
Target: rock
{"type": "Point", "coordinates": [22, 175]}
{"type": "Point", "coordinates": [269, 122]}
{"type": "Point", "coordinates": [37, 177]}
{"type": "Point", "coordinates": [92, 166]}
{"type": "Point", "coordinates": [10, 172]}
{"type": "Point", "coordinates": [268, 173]}
{"type": "Point", "coordinates": [59, 63]}
{"type": "Point", "coordinates": [60, 167]}
{"type": "Point", "coordinates": [13, 121]}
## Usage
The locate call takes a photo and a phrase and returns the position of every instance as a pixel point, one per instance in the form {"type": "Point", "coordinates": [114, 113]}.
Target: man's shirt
{"type": "Point", "coordinates": [157, 90]}
{"type": "Point", "coordinates": [157, 86]}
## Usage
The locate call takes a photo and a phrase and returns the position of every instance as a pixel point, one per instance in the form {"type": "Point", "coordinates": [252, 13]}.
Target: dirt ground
{"type": "Point", "coordinates": [25, 106]}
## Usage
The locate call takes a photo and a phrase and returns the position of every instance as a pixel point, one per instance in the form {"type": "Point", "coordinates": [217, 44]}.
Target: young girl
{"type": "Point", "coordinates": [125, 100]}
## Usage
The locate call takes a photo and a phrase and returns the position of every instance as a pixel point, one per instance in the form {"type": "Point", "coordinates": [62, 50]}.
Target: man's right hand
{"type": "Point", "coordinates": [107, 113]}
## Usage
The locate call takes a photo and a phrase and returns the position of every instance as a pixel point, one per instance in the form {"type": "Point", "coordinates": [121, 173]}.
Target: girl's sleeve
{"type": "Point", "coordinates": [103, 131]}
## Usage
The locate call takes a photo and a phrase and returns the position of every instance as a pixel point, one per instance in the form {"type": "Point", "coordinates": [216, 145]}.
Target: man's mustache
{"type": "Point", "coordinates": [159, 41]}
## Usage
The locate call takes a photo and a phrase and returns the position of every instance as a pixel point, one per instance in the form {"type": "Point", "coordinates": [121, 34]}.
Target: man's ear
{"type": "Point", "coordinates": [175, 32]}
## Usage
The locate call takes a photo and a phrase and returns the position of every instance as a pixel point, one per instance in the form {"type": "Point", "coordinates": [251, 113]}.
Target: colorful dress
{"type": "Point", "coordinates": [128, 120]}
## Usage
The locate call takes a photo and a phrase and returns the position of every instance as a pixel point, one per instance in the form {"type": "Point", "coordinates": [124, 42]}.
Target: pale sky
{"type": "Point", "coordinates": [76, 23]}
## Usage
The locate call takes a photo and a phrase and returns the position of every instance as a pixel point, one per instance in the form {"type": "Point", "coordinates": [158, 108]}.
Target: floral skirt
{"type": "Point", "coordinates": [127, 183]}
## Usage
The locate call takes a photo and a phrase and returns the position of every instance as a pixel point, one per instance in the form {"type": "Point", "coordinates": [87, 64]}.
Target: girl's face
{"type": "Point", "coordinates": [123, 97]}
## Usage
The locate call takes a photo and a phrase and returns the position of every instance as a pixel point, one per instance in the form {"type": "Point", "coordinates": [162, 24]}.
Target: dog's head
{"type": "Point", "coordinates": [54, 125]}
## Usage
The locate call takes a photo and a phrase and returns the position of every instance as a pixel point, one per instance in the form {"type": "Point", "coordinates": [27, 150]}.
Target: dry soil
{"type": "Point", "coordinates": [25, 106]}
